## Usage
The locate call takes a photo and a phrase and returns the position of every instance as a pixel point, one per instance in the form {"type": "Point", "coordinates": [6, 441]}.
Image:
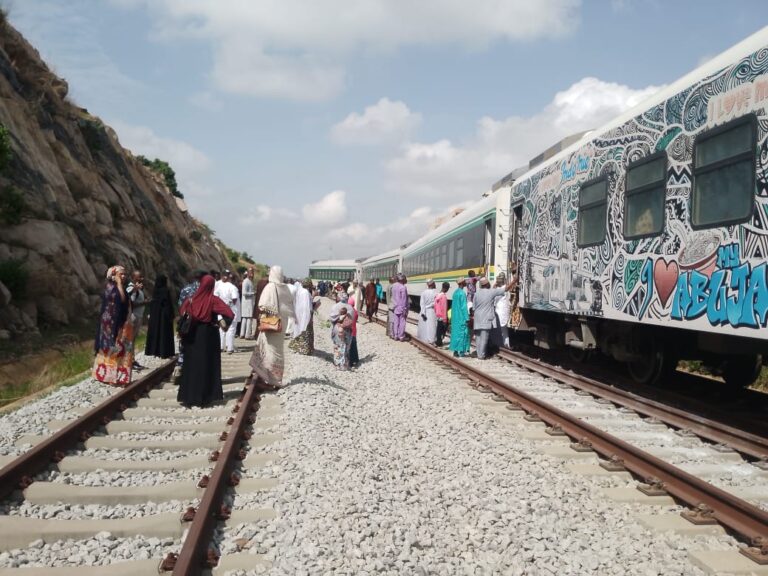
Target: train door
{"type": "Point", "coordinates": [515, 223]}
{"type": "Point", "coordinates": [490, 226]}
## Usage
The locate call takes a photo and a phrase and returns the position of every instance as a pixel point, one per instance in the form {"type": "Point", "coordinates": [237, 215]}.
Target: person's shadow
{"type": "Point", "coordinates": [325, 381]}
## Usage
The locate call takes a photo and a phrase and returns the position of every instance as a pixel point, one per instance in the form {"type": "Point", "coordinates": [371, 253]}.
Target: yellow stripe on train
{"type": "Point", "coordinates": [451, 275]}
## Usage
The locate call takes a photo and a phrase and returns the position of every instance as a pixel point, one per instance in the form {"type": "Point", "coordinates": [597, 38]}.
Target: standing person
{"type": "Point", "coordinates": [187, 292]}
{"type": "Point", "coordinates": [160, 340]}
{"type": "Point", "coordinates": [427, 331]}
{"type": "Point", "coordinates": [246, 309]}
{"type": "Point", "coordinates": [459, 321]}
{"type": "Point", "coordinates": [341, 333]}
{"type": "Point", "coordinates": [371, 301]}
{"type": "Point", "coordinates": [260, 285]}
{"type": "Point", "coordinates": [485, 314]}
{"type": "Point", "coordinates": [400, 304]}
{"type": "Point", "coordinates": [379, 293]}
{"type": "Point", "coordinates": [441, 313]}
{"type": "Point", "coordinates": [303, 331]}
{"type": "Point", "coordinates": [200, 382]}
{"type": "Point", "coordinates": [268, 358]}
{"type": "Point", "coordinates": [229, 294]}
{"type": "Point", "coordinates": [136, 295]}
{"type": "Point", "coordinates": [114, 336]}
{"type": "Point", "coordinates": [390, 310]}
{"type": "Point", "coordinates": [471, 288]}
{"type": "Point", "coordinates": [354, 356]}
{"type": "Point", "coordinates": [503, 310]}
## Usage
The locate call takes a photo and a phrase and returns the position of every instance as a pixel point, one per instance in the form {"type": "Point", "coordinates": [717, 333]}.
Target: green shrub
{"type": "Point", "coordinates": [248, 258]}
{"type": "Point", "coordinates": [5, 147]}
{"type": "Point", "coordinates": [164, 169]}
{"type": "Point", "coordinates": [12, 206]}
{"type": "Point", "coordinates": [15, 277]}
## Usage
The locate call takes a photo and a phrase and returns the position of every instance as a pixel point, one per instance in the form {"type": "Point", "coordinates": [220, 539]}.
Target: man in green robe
{"type": "Point", "coordinates": [459, 318]}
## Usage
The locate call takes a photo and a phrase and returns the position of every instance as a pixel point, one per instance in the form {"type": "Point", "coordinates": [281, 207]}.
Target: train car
{"type": "Point", "coordinates": [383, 266]}
{"type": "Point", "coordinates": [476, 239]}
{"type": "Point", "coordinates": [334, 270]}
{"type": "Point", "coordinates": [647, 239]}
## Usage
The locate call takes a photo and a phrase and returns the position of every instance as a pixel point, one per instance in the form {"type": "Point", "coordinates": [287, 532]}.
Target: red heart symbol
{"type": "Point", "coordinates": [665, 277]}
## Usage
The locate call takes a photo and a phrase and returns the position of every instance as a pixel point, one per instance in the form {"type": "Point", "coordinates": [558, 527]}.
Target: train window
{"type": "Point", "coordinates": [724, 174]}
{"type": "Point", "coordinates": [645, 195]}
{"type": "Point", "coordinates": [451, 250]}
{"type": "Point", "coordinates": [444, 257]}
{"type": "Point", "coordinates": [593, 205]}
{"type": "Point", "coordinates": [459, 252]}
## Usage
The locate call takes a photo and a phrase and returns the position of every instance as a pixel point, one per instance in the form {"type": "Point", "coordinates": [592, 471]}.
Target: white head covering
{"type": "Point", "coordinates": [302, 303]}
{"type": "Point", "coordinates": [276, 274]}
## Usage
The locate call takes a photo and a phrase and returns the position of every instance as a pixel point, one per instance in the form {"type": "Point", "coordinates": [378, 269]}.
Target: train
{"type": "Point", "coordinates": [334, 270]}
{"type": "Point", "coordinates": [645, 239]}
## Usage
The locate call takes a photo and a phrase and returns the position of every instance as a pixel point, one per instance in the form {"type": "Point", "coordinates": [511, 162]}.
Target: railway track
{"type": "Point", "coordinates": [178, 495]}
{"type": "Point", "coordinates": [534, 388]}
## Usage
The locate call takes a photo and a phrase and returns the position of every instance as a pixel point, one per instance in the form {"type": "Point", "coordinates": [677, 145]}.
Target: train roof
{"type": "Point", "coordinates": [390, 254]}
{"type": "Point", "coordinates": [477, 209]}
{"type": "Point", "coordinates": [333, 264]}
{"type": "Point", "coordinates": [719, 62]}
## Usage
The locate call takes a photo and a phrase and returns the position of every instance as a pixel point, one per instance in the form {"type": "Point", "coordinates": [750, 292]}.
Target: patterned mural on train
{"type": "Point", "coordinates": [663, 218]}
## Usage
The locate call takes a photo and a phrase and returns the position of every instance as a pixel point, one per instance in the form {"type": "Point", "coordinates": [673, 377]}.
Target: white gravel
{"type": "Point", "coordinates": [391, 469]}
{"type": "Point", "coordinates": [33, 418]}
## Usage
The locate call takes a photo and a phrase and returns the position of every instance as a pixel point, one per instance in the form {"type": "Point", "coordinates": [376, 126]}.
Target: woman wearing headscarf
{"type": "Point", "coordinates": [342, 321]}
{"type": "Point", "coordinates": [303, 341]}
{"type": "Point", "coordinates": [200, 382]}
{"type": "Point", "coordinates": [459, 321]}
{"type": "Point", "coordinates": [114, 336]}
{"type": "Point", "coordinates": [160, 329]}
{"type": "Point", "coordinates": [268, 358]}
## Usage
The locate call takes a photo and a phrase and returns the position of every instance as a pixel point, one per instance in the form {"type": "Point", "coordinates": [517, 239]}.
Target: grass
{"type": "Point", "coordinates": [697, 367]}
{"type": "Point", "coordinates": [75, 360]}
{"type": "Point", "coordinates": [71, 367]}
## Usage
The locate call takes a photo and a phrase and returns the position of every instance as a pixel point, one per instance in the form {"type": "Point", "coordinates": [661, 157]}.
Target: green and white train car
{"type": "Point", "coordinates": [477, 239]}
{"type": "Point", "coordinates": [334, 270]}
{"type": "Point", "coordinates": [382, 267]}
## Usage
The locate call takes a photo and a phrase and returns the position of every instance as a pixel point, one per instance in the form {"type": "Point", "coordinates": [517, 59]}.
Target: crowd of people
{"type": "Point", "coordinates": [214, 308]}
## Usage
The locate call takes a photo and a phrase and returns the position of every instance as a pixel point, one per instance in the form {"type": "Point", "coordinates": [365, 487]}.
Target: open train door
{"type": "Point", "coordinates": [513, 261]}
{"type": "Point", "coordinates": [490, 227]}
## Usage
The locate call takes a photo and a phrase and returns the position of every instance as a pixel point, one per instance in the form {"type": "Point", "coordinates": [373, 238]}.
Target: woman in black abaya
{"type": "Point", "coordinates": [200, 382]}
{"type": "Point", "coordinates": [160, 330]}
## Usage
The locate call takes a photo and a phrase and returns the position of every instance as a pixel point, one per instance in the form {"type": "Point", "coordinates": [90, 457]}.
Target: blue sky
{"type": "Point", "coordinates": [305, 129]}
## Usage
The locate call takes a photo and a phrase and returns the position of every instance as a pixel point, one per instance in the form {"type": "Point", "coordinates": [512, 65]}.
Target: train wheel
{"type": "Point", "coordinates": [742, 370]}
{"type": "Point", "coordinates": [578, 355]}
{"type": "Point", "coordinates": [655, 361]}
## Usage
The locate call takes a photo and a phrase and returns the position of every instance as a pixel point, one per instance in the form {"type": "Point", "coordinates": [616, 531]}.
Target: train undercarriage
{"type": "Point", "coordinates": [650, 353]}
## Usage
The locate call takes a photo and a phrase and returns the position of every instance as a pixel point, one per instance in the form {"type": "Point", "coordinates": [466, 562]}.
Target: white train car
{"type": "Point", "coordinates": [382, 267]}
{"type": "Point", "coordinates": [334, 270]}
{"type": "Point", "coordinates": [476, 239]}
{"type": "Point", "coordinates": [647, 239]}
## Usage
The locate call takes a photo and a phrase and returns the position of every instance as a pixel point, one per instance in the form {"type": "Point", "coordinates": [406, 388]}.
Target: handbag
{"type": "Point", "coordinates": [184, 324]}
{"type": "Point", "coordinates": [270, 322]}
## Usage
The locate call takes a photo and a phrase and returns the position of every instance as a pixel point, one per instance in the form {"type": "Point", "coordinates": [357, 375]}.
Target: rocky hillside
{"type": "Point", "coordinates": [73, 202]}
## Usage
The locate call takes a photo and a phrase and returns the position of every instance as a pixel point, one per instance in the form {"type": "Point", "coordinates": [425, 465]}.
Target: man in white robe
{"type": "Point", "coordinates": [427, 330]}
{"type": "Point", "coordinates": [228, 292]}
{"type": "Point", "coordinates": [246, 307]}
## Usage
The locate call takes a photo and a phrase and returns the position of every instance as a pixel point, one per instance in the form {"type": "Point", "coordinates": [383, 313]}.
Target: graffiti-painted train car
{"type": "Point", "coordinates": [647, 239]}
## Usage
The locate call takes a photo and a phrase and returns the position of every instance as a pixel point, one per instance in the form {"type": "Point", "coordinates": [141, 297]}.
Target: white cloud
{"type": "Point", "coordinates": [451, 171]}
{"type": "Point", "coordinates": [385, 121]}
{"type": "Point", "coordinates": [190, 164]}
{"type": "Point", "coordinates": [329, 211]}
{"type": "Point", "coordinates": [298, 50]}
{"type": "Point", "coordinates": [263, 213]}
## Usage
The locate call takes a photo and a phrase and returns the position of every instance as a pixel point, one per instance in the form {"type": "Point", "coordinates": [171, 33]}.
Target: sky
{"type": "Point", "coordinates": [314, 129]}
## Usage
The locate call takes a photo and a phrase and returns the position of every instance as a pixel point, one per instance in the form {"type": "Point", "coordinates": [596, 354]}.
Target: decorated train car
{"type": "Point", "coordinates": [381, 267]}
{"type": "Point", "coordinates": [476, 239]}
{"type": "Point", "coordinates": [334, 270]}
{"type": "Point", "coordinates": [647, 239]}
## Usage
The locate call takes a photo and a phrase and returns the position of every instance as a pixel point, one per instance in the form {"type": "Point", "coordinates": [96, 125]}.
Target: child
{"type": "Point", "coordinates": [342, 336]}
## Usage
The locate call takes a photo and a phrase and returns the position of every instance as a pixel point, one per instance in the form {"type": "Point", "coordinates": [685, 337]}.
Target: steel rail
{"type": "Point", "coordinates": [714, 431]}
{"type": "Point", "coordinates": [735, 514]}
{"type": "Point", "coordinates": [195, 557]}
{"type": "Point", "coordinates": [19, 473]}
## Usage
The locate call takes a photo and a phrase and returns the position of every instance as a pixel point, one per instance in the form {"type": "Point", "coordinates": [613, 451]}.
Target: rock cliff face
{"type": "Point", "coordinates": [85, 203]}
